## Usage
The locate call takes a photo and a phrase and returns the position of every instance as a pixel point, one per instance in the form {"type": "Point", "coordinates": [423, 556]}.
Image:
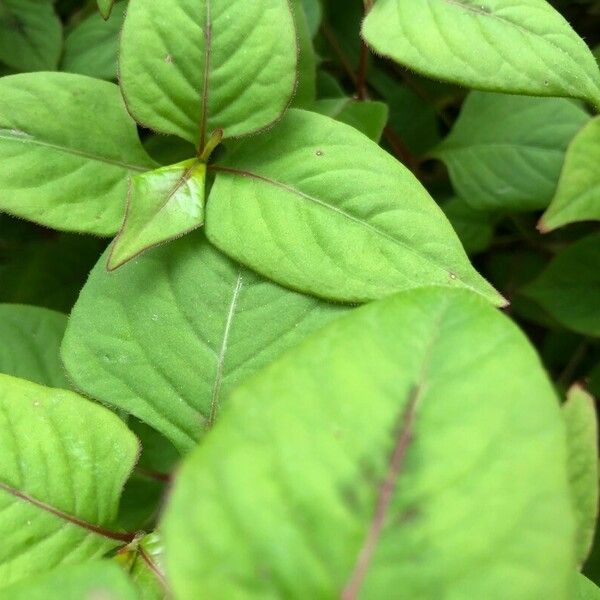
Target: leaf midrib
{"type": "Point", "coordinates": [26, 138]}
{"type": "Point", "coordinates": [346, 215]}
{"type": "Point", "coordinates": [24, 497]}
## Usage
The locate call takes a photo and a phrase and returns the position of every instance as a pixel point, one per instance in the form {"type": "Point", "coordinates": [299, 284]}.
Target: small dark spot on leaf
{"type": "Point", "coordinates": [319, 152]}
{"type": "Point", "coordinates": [168, 59]}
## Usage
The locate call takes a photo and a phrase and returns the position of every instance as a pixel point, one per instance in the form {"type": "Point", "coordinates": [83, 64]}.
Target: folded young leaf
{"type": "Point", "coordinates": [64, 463]}
{"type": "Point", "coordinates": [97, 580]}
{"type": "Point", "coordinates": [143, 560]}
{"type": "Point", "coordinates": [105, 7]}
{"type": "Point", "coordinates": [316, 206]}
{"type": "Point", "coordinates": [67, 149]}
{"type": "Point", "coordinates": [169, 334]}
{"type": "Point", "coordinates": [515, 46]}
{"type": "Point", "coordinates": [162, 205]}
{"type": "Point", "coordinates": [506, 152]}
{"type": "Point", "coordinates": [586, 589]}
{"type": "Point", "coordinates": [31, 338]}
{"type": "Point", "coordinates": [396, 450]}
{"type": "Point", "coordinates": [189, 67]}
{"type": "Point", "coordinates": [578, 195]}
{"type": "Point", "coordinates": [569, 288]}
{"type": "Point", "coordinates": [368, 117]}
{"type": "Point", "coordinates": [579, 413]}
{"type": "Point", "coordinates": [91, 48]}
{"type": "Point", "coordinates": [30, 35]}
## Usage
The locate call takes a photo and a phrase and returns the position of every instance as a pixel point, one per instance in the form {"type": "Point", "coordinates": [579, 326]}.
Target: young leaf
{"type": "Point", "coordinates": [316, 206]}
{"type": "Point", "coordinates": [30, 35]}
{"type": "Point", "coordinates": [31, 338]}
{"type": "Point", "coordinates": [506, 152]}
{"type": "Point", "coordinates": [578, 195]}
{"type": "Point", "coordinates": [586, 589]}
{"type": "Point", "coordinates": [368, 117]}
{"type": "Point", "coordinates": [313, 12]}
{"type": "Point", "coordinates": [391, 452]}
{"type": "Point", "coordinates": [189, 67]}
{"type": "Point", "coordinates": [105, 7]}
{"type": "Point", "coordinates": [569, 287]}
{"type": "Point", "coordinates": [306, 89]}
{"type": "Point", "coordinates": [91, 48]}
{"type": "Point", "coordinates": [97, 580]}
{"type": "Point", "coordinates": [163, 204]}
{"type": "Point", "coordinates": [67, 149]}
{"type": "Point", "coordinates": [168, 335]}
{"type": "Point", "coordinates": [579, 413]}
{"type": "Point", "coordinates": [64, 463]}
{"type": "Point", "coordinates": [524, 47]}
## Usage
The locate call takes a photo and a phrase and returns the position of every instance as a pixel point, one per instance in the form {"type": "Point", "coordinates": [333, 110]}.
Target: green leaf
{"type": "Point", "coordinates": [579, 413]}
{"type": "Point", "coordinates": [569, 288]}
{"type": "Point", "coordinates": [316, 206]}
{"type": "Point", "coordinates": [105, 7]}
{"type": "Point", "coordinates": [67, 149]}
{"type": "Point", "coordinates": [475, 228]}
{"type": "Point", "coordinates": [31, 338]}
{"type": "Point", "coordinates": [30, 35]}
{"type": "Point", "coordinates": [190, 67]}
{"type": "Point", "coordinates": [92, 47]}
{"type": "Point", "coordinates": [314, 14]}
{"type": "Point", "coordinates": [143, 561]}
{"type": "Point", "coordinates": [523, 47]}
{"type": "Point", "coordinates": [368, 117]}
{"type": "Point", "coordinates": [391, 452]}
{"type": "Point", "coordinates": [506, 152]}
{"type": "Point", "coordinates": [578, 195]}
{"type": "Point", "coordinates": [586, 590]}
{"type": "Point", "coordinates": [98, 580]}
{"type": "Point", "coordinates": [163, 204]}
{"type": "Point", "coordinates": [167, 336]}
{"type": "Point", "coordinates": [306, 89]}
{"type": "Point", "coordinates": [64, 463]}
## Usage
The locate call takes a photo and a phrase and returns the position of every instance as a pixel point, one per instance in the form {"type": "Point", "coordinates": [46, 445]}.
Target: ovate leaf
{"type": "Point", "coordinates": [105, 7]}
{"type": "Point", "coordinates": [582, 441]}
{"type": "Point", "coordinates": [316, 206]}
{"type": "Point", "coordinates": [391, 454]}
{"type": "Point", "coordinates": [506, 152]}
{"type": "Point", "coordinates": [569, 288]}
{"type": "Point", "coordinates": [586, 589]}
{"type": "Point", "coordinates": [91, 48]}
{"type": "Point", "coordinates": [97, 580]}
{"type": "Point", "coordinates": [31, 338]}
{"type": "Point", "coordinates": [163, 204]}
{"type": "Point", "coordinates": [67, 149]}
{"type": "Point", "coordinates": [366, 116]}
{"type": "Point", "coordinates": [30, 35]}
{"type": "Point", "coordinates": [578, 195]}
{"type": "Point", "coordinates": [63, 463]}
{"type": "Point", "coordinates": [523, 47]}
{"type": "Point", "coordinates": [189, 67]}
{"type": "Point", "coordinates": [168, 335]}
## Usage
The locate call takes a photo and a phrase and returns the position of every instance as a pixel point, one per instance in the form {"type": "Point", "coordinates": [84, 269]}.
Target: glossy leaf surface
{"type": "Point", "coordinates": [169, 334]}
{"type": "Point", "coordinates": [162, 205]}
{"type": "Point", "coordinates": [515, 46]}
{"type": "Point", "coordinates": [316, 206]}
{"type": "Point", "coordinates": [49, 437]}
{"type": "Point", "coordinates": [189, 67]}
{"type": "Point", "coordinates": [67, 149]}
{"type": "Point", "coordinates": [375, 457]}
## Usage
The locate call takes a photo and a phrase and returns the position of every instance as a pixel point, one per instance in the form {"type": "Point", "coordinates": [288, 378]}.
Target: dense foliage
{"type": "Point", "coordinates": [299, 299]}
